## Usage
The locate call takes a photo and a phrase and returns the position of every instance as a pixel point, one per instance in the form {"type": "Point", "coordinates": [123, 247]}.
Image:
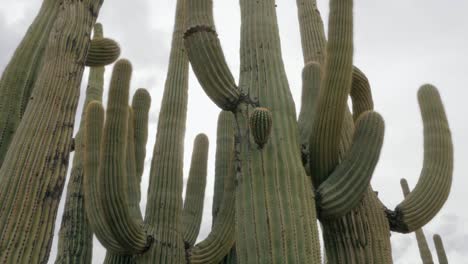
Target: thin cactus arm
{"type": "Point", "coordinates": [334, 90]}
{"type": "Point", "coordinates": [423, 247]}
{"type": "Point", "coordinates": [433, 187]}
{"type": "Point", "coordinates": [141, 104]}
{"type": "Point", "coordinates": [126, 232]}
{"type": "Point", "coordinates": [361, 94]}
{"type": "Point", "coordinates": [195, 193]}
{"type": "Point", "coordinates": [221, 238]}
{"type": "Point", "coordinates": [207, 58]}
{"type": "Point", "coordinates": [344, 188]}
{"type": "Point", "coordinates": [441, 255]}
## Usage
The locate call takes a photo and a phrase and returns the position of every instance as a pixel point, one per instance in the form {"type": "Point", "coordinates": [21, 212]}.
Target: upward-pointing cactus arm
{"type": "Point", "coordinates": [335, 88]}
{"type": "Point", "coordinates": [361, 94]}
{"type": "Point", "coordinates": [435, 181]}
{"type": "Point", "coordinates": [221, 238]}
{"type": "Point", "coordinates": [440, 249]}
{"type": "Point", "coordinates": [343, 189]}
{"type": "Point", "coordinates": [112, 198]}
{"type": "Point", "coordinates": [206, 55]}
{"type": "Point", "coordinates": [141, 103]}
{"type": "Point", "coordinates": [195, 194]}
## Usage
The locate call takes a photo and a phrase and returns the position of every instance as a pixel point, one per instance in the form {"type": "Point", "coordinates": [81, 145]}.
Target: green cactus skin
{"type": "Point", "coordinates": [260, 125]}
{"type": "Point", "coordinates": [75, 236]}
{"type": "Point", "coordinates": [21, 73]}
{"type": "Point", "coordinates": [275, 213]}
{"type": "Point", "coordinates": [360, 93]}
{"type": "Point", "coordinates": [217, 246]}
{"type": "Point", "coordinates": [102, 52]}
{"type": "Point", "coordinates": [440, 249]}
{"type": "Point", "coordinates": [34, 168]}
{"type": "Point", "coordinates": [424, 250]}
{"type": "Point", "coordinates": [312, 32]}
{"type": "Point", "coordinates": [195, 194]}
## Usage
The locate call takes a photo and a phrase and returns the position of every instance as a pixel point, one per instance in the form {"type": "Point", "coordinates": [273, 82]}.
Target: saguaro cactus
{"type": "Point", "coordinates": [424, 250]}
{"type": "Point", "coordinates": [34, 168]}
{"type": "Point", "coordinates": [343, 244]}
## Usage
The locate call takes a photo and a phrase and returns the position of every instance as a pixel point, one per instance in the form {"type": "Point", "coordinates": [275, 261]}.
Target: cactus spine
{"type": "Point", "coordinates": [21, 73]}
{"type": "Point", "coordinates": [75, 237]}
{"type": "Point", "coordinates": [440, 249]}
{"type": "Point", "coordinates": [34, 168]}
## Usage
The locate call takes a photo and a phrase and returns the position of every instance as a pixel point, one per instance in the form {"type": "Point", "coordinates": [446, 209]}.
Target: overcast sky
{"type": "Point", "coordinates": [399, 44]}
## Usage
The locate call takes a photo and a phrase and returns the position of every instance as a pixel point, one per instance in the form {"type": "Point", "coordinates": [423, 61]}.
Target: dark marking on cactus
{"type": "Point", "coordinates": [199, 28]}
{"type": "Point", "coordinates": [395, 220]}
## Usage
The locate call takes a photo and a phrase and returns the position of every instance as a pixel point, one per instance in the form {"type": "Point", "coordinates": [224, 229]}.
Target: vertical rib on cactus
{"type": "Point", "coordinates": [75, 236]}
{"type": "Point", "coordinates": [424, 250]}
{"type": "Point", "coordinates": [435, 181]}
{"type": "Point", "coordinates": [360, 93]}
{"type": "Point", "coordinates": [275, 212]}
{"type": "Point", "coordinates": [34, 168]}
{"type": "Point", "coordinates": [221, 238]}
{"type": "Point", "coordinates": [195, 192]}
{"type": "Point", "coordinates": [21, 73]}
{"type": "Point", "coordinates": [164, 207]}
{"type": "Point", "coordinates": [440, 249]}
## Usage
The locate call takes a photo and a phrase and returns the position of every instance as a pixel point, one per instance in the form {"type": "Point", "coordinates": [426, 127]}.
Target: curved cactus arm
{"type": "Point", "coordinates": [195, 194]}
{"type": "Point", "coordinates": [141, 104]}
{"type": "Point", "coordinates": [345, 187]}
{"type": "Point", "coordinates": [440, 249]}
{"type": "Point", "coordinates": [435, 181]}
{"type": "Point", "coordinates": [112, 197]}
{"type": "Point", "coordinates": [312, 31]}
{"type": "Point", "coordinates": [310, 91]}
{"type": "Point", "coordinates": [334, 92]}
{"type": "Point", "coordinates": [424, 250]}
{"type": "Point", "coordinates": [102, 52]}
{"type": "Point", "coordinates": [361, 94]}
{"type": "Point", "coordinates": [206, 55]}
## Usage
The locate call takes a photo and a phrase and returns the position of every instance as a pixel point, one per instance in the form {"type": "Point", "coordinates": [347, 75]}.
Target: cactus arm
{"type": "Point", "coordinates": [345, 187]}
{"type": "Point", "coordinates": [435, 181]}
{"type": "Point", "coordinates": [141, 103]}
{"type": "Point", "coordinates": [206, 56]}
{"type": "Point", "coordinates": [440, 249]}
{"type": "Point", "coordinates": [335, 88]}
{"type": "Point", "coordinates": [195, 194]}
{"type": "Point", "coordinates": [424, 250]}
{"type": "Point", "coordinates": [361, 94]}
{"type": "Point", "coordinates": [75, 237]}
{"type": "Point", "coordinates": [221, 239]}
{"type": "Point", "coordinates": [102, 52]}
{"type": "Point", "coordinates": [312, 31]}
{"type": "Point", "coordinates": [224, 150]}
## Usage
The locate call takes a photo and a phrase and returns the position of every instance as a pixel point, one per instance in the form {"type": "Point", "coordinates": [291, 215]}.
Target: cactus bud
{"type": "Point", "coordinates": [102, 52]}
{"type": "Point", "coordinates": [260, 125]}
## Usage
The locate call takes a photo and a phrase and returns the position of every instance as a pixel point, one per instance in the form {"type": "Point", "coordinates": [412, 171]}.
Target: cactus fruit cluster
{"type": "Point", "coordinates": [275, 174]}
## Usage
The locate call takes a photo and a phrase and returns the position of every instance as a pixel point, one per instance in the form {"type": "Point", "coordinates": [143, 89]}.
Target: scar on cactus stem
{"type": "Point", "coordinates": [260, 125]}
{"type": "Point", "coordinates": [102, 52]}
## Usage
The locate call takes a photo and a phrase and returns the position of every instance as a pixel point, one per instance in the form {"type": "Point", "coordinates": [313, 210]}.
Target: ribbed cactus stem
{"type": "Point", "coordinates": [260, 125]}
{"type": "Point", "coordinates": [423, 247]}
{"type": "Point", "coordinates": [75, 237]}
{"type": "Point", "coordinates": [20, 74]}
{"type": "Point", "coordinates": [221, 238]}
{"type": "Point", "coordinates": [435, 181]}
{"type": "Point", "coordinates": [195, 194]}
{"type": "Point", "coordinates": [34, 168]}
{"type": "Point", "coordinates": [440, 250]}
{"type": "Point", "coordinates": [360, 93]}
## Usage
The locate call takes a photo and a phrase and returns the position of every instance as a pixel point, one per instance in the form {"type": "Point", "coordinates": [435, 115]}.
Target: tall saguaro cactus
{"type": "Point", "coordinates": [75, 236]}
{"type": "Point", "coordinates": [33, 171]}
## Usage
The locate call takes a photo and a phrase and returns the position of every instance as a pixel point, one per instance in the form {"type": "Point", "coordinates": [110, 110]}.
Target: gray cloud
{"type": "Point", "coordinates": [399, 45]}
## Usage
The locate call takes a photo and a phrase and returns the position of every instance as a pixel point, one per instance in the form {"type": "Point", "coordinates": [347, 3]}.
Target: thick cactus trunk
{"type": "Point", "coordinates": [274, 199]}
{"type": "Point", "coordinates": [21, 72]}
{"type": "Point", "coordinates": [33, 172]}
{"type": "Point", "coordinates": [75, 243]}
